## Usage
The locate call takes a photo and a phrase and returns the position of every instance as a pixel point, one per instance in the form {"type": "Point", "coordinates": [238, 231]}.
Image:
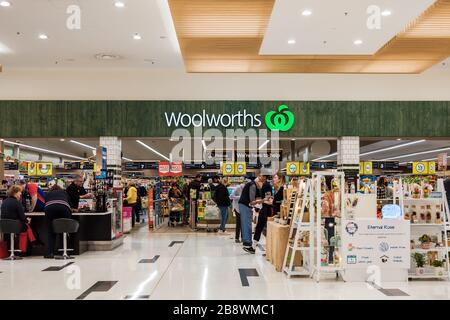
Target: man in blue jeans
{"type": "Point", "coordinates": [251, 196]}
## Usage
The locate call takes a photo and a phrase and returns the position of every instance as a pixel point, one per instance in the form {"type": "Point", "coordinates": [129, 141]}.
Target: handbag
{"type": "Point", "coordinates": [3, 248]}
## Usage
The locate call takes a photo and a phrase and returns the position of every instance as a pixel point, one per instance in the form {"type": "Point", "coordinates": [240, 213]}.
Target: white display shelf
{"type": "Point", "coordinates": [427, 224]}
{"type": "Point", "coordinates": [297, 271]}
{"type": "Point", "coordinates": [423, 199]}
{"type": "Point", "coordinates": [427, 276]}
{"type": "Point", "coordinates": [299, 248]}
{"type": "Point", "coordinates": [428, 250]}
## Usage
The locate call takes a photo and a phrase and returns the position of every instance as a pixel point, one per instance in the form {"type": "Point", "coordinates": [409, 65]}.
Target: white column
{"type": "Point", "coordinates": [113, 147]}
{"type": "Point", "coordinates": [348, 155]}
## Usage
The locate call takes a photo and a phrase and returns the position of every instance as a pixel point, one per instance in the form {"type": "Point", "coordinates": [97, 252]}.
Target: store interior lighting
{"type": "Point", "coordinates": [264, 144]}
{"type": "Point", "coordinates": [416, 154]}
{"type": "Point", "coordinates": [153, 150]}
{"type": "Point", "coordinates": [83, 145]}
{"type": "Point", "coordinates": [392, 148]}
{"type": "Point", "coordinates": [25, 146]}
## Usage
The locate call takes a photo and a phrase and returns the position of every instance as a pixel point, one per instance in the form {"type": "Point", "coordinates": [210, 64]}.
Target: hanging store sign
{"type": "Point", "coordinates": [164, 169]}
{"type": "Point", "coordinates": [366, 168]}
{"type": "Point", "coordinates": [442, 161]}
{"type": "Point", "coordinates": [176, 169]}
{"type": "Point", "coordinates": [228, 168]}
{"type": "Point", "coordinates": [292, 168]}
{"type": "Point", "coordinates": [40, 169]}
{"type": "Point", "coordinates": [424, 167]}
{"type": "Point", "coordinates": [304, 168]}
{"type": "Point", "coordinates": [11, 165]}
{"type": "Point", "coordinates": [240, 168]}
{"type": "Point", "coordinates": [384, 243]}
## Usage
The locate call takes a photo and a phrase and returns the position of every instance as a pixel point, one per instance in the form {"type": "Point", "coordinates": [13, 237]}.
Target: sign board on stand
{"type": "Point", "coordinates": [376, 243]}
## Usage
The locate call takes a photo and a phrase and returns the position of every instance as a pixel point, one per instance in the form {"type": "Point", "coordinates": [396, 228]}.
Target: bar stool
{"type": "Point", "coordinates": [65, 226]}
{"type": "Point", "coordinates": [12, 227]}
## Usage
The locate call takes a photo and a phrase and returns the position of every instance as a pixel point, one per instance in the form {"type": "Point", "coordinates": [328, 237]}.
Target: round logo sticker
{"type": "Point", "coordinates": [292, 168]}
{"type": "Point", "coordinates": [228, 168]}
{"type": "Point", "coordinates": [240, 168]}
{"type": "Point", "coordinates": [420, 168]}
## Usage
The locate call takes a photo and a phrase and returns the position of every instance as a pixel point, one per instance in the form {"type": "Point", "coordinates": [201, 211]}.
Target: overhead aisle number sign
{"type": "Point", "coordinates": [424, 167]}
{"type": "Point", "coordinates": [297, 168]}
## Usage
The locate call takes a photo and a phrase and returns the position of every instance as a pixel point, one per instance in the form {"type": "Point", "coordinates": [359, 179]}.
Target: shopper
{"type": "Point", "coordinates": [222, 198]}
{"type": "Point", "coordinates": [265, 211]}
{"type": "Point", "coordinates": [37, 195]}
{"type": "Point", "coordinates": [235, 197]}
{"type": "Point", "coordinates": [278, 184]}
{"type": "Point", "coordinates": [131, 201]}
{"type": "Point", "coordinates": [251, 196]}
{"type": "Point", "coordinates": [175, 197]}
{"type": "Point", "coordinates": [12, 209]}
{"type": "Point", "coordinates": [76, 192]}
{"type": "Point", "coordinates": [56, 207]}
{"type": "Point", "coordinates": [194, 187]}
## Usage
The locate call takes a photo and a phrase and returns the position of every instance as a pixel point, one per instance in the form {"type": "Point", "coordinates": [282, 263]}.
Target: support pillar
{"type": "Point", "coordinates": [348, 157]}
{"type": "Point", "coordinates": [2, 154]}
{"type": "Point", "coordinates": [113, 147]}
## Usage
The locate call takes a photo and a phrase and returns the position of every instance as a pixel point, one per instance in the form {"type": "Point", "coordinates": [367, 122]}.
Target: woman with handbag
{"type": "Point", "coordinates": [12, 209]}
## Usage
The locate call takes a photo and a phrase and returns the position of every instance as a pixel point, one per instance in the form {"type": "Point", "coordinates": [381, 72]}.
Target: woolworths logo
{"type": "Point", "coordinates": [280, 120]}
{"type": "Point", "coordinates": [283, 120]}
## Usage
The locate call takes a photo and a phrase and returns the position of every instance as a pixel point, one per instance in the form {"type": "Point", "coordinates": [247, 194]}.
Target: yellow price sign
{"type": "Point", "coordinates": [32, 169]}
{"type": "Point", "coordinates": [304, 168]}
{"type": "Point", "coordinates": [228, 168]}
{"type": "Point", "coordinates": [368, 168]}
{"type": "Point", "coordinates": [431, 167]}
{"type": "Point", "coordinates": [420, 167]}
{"type": "Point", "coordinates": [292, 168]}
{"type": "Point", "coordinates": [240, 168]}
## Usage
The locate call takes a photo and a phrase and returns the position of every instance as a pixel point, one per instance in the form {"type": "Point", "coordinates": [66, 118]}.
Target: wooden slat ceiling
{"type": "Point", "coordinates": [226, 35]}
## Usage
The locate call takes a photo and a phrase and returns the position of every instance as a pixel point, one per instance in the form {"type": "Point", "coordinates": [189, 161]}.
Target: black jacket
{"type": "Point", "coordinates": [13, 209]}
{"type": "Point", "coordinates": [221, 196]}
{"type": "Point", "coordinates": [194, 185]}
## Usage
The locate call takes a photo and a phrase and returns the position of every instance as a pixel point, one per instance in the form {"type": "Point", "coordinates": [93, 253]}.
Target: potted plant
{"type": "Point", "coordinates": [425, 242]}
{"type": "Point", "coordinates": [438, 268]}
{"type": "Point", "coordinates": [419, 258]}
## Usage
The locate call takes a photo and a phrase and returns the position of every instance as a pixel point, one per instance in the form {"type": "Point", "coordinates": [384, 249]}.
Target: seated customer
{"type": "Point", "coordinates": [12, 209]}
{"type": "Point", "coordinates": [57, 206]}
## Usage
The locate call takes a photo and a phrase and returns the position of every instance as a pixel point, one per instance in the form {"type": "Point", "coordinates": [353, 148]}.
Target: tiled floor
{"type": "Point", "coordinates": [203, 266]}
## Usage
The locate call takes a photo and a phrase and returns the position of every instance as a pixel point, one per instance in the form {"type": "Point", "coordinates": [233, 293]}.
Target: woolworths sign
{"type": "Point", "coordinates": [280, 119]}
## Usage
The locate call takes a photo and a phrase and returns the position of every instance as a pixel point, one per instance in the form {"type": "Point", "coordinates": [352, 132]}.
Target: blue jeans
{"type": "Point", "coordinates": [246, 224]}
{"type": "Point", "coordinates": [224, 217]}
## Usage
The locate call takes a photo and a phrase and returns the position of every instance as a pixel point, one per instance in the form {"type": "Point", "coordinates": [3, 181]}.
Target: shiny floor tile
{"type": "Point", "coordinates": [199, 265]}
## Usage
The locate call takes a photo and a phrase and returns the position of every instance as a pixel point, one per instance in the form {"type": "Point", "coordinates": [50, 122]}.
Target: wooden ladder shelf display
{"type": "Point", "coordinates": [298, 242]}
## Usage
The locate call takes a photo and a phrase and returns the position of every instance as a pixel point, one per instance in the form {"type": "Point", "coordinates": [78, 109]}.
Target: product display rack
{"type": "Point", "coordinates": [318, 224]}
{"type": "Point", "coordinates": [299, 230]}
{"type": "Point", "coordinates": [438, 226]}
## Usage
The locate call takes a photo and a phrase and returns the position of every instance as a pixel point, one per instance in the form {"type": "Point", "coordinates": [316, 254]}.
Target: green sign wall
{"type": "Point", "coordinates": [147, 118]}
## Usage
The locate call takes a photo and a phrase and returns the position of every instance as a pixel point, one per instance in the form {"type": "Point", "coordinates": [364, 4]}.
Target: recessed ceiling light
{"type": "Point", "coordinates": [292, 41]}
{"type": "Point", "coordinates": [137, 36]}
{"type": "Point", "coordinates": [119, 4]}
{"type": "Point", "coordinates": [306, 13]}
{"type": "Point", "coordinates": [399, 139]}
{"type": "Point", "coordinates": [386, 13]}
{"type": "Point", "coordinates": [107, 56]}
{"type": "Point", "coordinates": [43, 36]}
{"type": "Point", "coordinates": [358, 42]}
{"type": "Point", "coordinates": [62, 140]}
{"type": "Point", "coordinates": [5, 4]}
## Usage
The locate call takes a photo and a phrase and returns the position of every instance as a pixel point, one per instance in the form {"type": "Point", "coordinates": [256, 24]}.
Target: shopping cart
{"type": "Point", "coordinates": [211, 218]}
{"type": "Point", "coordinates": [176, 209]}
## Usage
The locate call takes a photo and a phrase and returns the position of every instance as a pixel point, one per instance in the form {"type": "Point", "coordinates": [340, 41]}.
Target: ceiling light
{"type": "Point", "coordinates": [399, 139]}
{"type": "Point", "coordinates": [328, 156]}
{"type": "Point", "coordinates": [431, 159]}
{"type": "Point", "coordinates": [417, 154]}
{"type": "Point", "coordinates": [292, 41]}
{"type": "Point", "coordinates": [137, 36]}
{"type": "Point", "coordinates": [5, 3]}
{"type": "Point", "coordinates": [386, 13]}
{"type": "Point", "coordinates": [357, 42]}
{"type": "Point", "coordinates": [126, 159]}
{"type": "Point", "coordinates": [392, 148]}
{"type": "Point", "coordinates": [153, 150]}
{"type": "Point", "coordinates": [119, 4]}
{"type": "Point", "coordinates": [43, 150]}
{"type": "Point", "coordinates": [306, 13]}
{"type": "Point", "coordinates": [107, 56]}
{"type": "Point", "coordinates": [43, 36]}
{"type": "Point", "coordinates": [84, 145]}
{"type": "Point", "coordinates": [62, 140]}
{"type": "Point", "coordinates": [264, 144]}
